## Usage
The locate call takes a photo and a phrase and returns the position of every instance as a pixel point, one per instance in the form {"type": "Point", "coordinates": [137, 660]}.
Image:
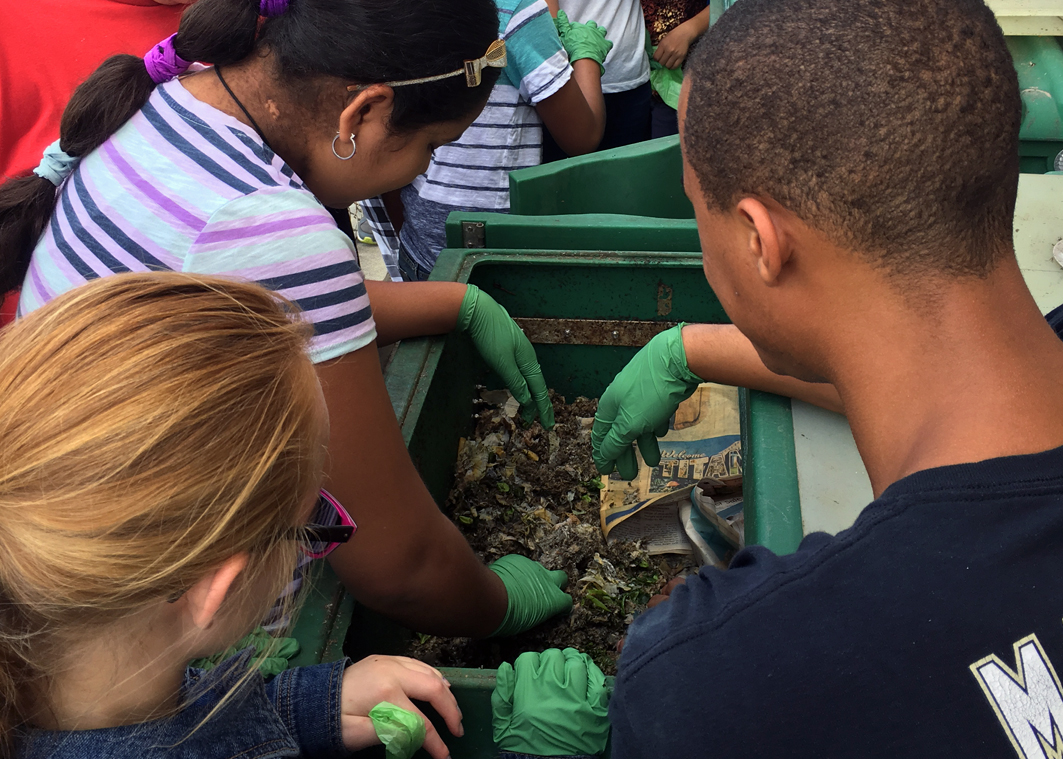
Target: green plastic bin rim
{"type": "Point", "coordinates": [456, 264]}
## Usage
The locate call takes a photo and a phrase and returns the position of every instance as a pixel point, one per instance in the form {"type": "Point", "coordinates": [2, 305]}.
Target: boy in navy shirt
{"type": "Point", "coordinates": [853, 165]}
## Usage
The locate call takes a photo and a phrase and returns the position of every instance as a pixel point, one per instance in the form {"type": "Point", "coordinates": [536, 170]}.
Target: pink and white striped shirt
{"type": "Point", "coordinates": [182, 186]}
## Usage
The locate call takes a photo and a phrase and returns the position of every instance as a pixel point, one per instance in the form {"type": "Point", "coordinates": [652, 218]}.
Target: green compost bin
{"type": "Point", "coordinates": [611, 301]}
{"type": "Point", "coordinates": [588, 313]}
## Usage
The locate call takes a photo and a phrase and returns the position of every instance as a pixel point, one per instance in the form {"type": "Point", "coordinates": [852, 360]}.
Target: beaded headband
{"type": "Point", "coordinates": [494, 58]}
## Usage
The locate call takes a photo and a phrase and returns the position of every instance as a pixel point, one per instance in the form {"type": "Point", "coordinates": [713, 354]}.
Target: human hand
{"type": "Point", "coordinates": [534, 593]}
{"type": "Point", "coordinates": [666, 592]}
{"type": "Point", "coordinates": [507, 350]}
{"type": "Point", "coordinates": [583, 40]}
{"type": "Point", "coordinates": [551, 704]}
{"type": "Point", "coordinates": [639, 402]}
{"type": "Point", "coordinates": [672, 49]}
{"type": "Point", "coordinates": [395, 679]}
{"type": "Point", "coordinates": [656, 600]}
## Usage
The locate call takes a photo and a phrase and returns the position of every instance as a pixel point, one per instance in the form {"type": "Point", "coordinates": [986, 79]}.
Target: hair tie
{"type": "Point", "coordinates": [163, 63]}
{"type": "Point", "coordinates": [271, 8]}
{"type": "Point", "coordinates": [56, 165]}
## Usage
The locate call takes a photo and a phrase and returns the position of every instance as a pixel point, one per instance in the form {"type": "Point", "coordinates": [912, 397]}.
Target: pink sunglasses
{"type": "Point", "coordinates": [319, 540]}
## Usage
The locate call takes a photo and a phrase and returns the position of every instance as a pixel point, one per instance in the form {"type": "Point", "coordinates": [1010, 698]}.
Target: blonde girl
{"type": "Point", "coordinates": [164, 438]}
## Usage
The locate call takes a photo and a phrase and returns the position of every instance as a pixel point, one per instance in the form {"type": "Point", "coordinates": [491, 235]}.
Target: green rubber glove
{"type": "Point", "coordinates": [271, 654]}
{"type": "Point", "coordinates": [562, 24]}
{"type": "Point", "coordinates": [551, 704]}
{"type": "Point", "coordinates": [508, 351]}
{"type": "Point", "coordinates": [666, 82]}
{"type": "Point", "coordinates": [534, 593]}
{"type": "Point", "coordinates": [401, 732]}
{"type": "Point", "coordinates": [583, 40]}
{"type": "Point", "coordinates": [639, 402]}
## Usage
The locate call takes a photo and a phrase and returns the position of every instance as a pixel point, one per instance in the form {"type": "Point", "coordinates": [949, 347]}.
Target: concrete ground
{"type": "Point", "coordinates": [372, 264]}
{"type": "Point", "coordinates": [368, 255]}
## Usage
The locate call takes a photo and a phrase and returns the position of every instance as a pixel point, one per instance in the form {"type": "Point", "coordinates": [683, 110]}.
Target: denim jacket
{"type": "Point", "coordinates": [296, 714]}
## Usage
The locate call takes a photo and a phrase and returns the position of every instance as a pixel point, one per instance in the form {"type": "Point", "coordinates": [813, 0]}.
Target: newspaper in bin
{"type": "Point", "coordinates": [703, 440]}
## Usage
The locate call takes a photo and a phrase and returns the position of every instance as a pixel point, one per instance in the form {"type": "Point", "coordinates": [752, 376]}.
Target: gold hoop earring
{"type": "Point", "coordinates": [354, 148]}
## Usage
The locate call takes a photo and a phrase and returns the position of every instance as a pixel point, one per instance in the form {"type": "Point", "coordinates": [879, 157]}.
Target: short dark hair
{"type": "Point", "coordinates": [891, 126]}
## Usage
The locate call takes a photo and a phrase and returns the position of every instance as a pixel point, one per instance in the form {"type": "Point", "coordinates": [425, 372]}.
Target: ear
{"type": "Point", "coordinates": [372, 104]}
{"type": "Point", "coordinates": [766, 243]}
{"type": "Point", "coordinates": [206, 596]}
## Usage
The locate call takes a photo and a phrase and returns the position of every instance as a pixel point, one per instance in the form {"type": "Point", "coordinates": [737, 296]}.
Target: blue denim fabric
{"type": "Point", "coordinates": [409, 268]}
{"type": "Point", "coordinates": [296, 714]}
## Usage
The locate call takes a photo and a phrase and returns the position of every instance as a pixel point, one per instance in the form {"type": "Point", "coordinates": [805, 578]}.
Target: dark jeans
{"type": "Point", "coordinates": [664, 120]}
{"type": "Point", "coordinates": [627, 120]}
{"type": "Point", "coordinates": [410, 270]}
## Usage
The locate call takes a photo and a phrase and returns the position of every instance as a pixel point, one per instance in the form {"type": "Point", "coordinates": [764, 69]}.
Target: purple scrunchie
{"type": "Point", "coordinates": [271, 8]}
{"type": "Point", "coordinates": [163, 63]}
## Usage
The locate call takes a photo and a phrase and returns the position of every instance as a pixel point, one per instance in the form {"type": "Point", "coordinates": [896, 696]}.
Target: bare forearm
{"type": "Point", "coordinates": [575, 114]}
{"type": "Point", "coordinates": [414, 309]}
{"type": "Point", "coordinates": [406, 560]}
{"type": "Point", "coordinates": [720, 353]}
{"type": "Point", "coordinates": [445, 589]}
{"type": "Point", "coordinates": [699, 24]}
{"type": "Point", "coordinates": [428, 579]}
{"type": "Point", "coordinates": [588, 75]}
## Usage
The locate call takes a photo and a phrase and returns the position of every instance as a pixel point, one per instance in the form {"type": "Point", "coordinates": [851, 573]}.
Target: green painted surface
{"type": "Point", "coordinates": [644, 179]}
{"type": "Point", "coordinates": [592, 231]}
{"type": "Point", "coordinates": [1039, 64]}
{"type": "Point", "coordinates": [322, 619]}
{"type": "Point", "coordinates": [1038, 157]}
{"type": "Point", "coordinates": [770, 486]}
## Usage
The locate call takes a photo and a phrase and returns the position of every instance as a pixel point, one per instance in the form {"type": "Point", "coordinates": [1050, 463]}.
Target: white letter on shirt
{"type": "Point", "coordinates": [1028, 701]}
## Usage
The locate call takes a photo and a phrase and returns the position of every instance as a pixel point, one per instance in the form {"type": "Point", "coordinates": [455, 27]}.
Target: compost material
{"type": "Point", "coordinates": [522, 489]}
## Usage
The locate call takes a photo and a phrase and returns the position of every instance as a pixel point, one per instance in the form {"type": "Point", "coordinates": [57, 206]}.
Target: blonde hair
{"type": "Point", "coordinates": [152, 426]}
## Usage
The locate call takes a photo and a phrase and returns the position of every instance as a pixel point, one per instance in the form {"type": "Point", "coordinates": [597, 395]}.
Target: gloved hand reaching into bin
{"type": "Point", "coordinates": [639, 402]}
{"type": "Point", "coordinates": [507, 350]}
{"type": "Point", "coordinates": [535, 593]}
{"type": "Point", "coordinates": [551, 704]}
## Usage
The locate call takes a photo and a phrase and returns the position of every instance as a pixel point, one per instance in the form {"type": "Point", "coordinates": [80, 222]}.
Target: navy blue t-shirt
{"type": "Point", "coordinates": [931, 628]}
